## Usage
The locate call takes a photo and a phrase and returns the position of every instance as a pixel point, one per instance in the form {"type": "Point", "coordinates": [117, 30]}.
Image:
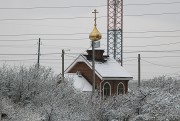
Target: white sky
{"type": "Point", "coordinates": [41, 28]}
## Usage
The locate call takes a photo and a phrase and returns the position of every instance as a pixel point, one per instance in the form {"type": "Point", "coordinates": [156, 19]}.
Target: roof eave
{"type": "Point", "coordinates": [117, 78]}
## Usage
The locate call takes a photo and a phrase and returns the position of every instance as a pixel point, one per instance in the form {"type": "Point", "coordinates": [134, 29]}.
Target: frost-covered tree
{"type": "Point", "coordinates": [31, 94]}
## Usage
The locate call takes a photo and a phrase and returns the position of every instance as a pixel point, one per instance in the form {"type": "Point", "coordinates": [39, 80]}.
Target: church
{"type": "Point", "coordinates": [96, 71]}
{"type": "Point", "coordinates": [110, 77]}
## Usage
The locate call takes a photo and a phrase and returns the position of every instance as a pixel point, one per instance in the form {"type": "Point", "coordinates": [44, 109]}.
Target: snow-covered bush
{"type": "Point", "coordinates": [31, 94]}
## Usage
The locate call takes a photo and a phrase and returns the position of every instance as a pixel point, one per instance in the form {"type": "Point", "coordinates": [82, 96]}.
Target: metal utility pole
{"type": "Point", "coordinates": [93, 67]}
{"type": "Point", "coordinates": [139, 70]}
{"type": "Point", "coordinates": [39, 47]}
{"type": "Point", "coordinates": [62, 65]}
{"type": "Point", "coordinates": [115, 29]}
{"type": "Point", "coordinates": [95, 35]}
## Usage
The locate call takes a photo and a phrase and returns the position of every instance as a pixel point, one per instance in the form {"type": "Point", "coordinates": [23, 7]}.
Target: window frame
{"type": "Point", "coordinates": [120, 83]}
{"type": "Point", "coordinates": [109, 89]}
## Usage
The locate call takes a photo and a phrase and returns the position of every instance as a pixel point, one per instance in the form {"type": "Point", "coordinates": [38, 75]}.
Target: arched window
{"type": "Point", "coordinates": [120, 88]}
{"type": "Point", "coordinates": [106, 89]}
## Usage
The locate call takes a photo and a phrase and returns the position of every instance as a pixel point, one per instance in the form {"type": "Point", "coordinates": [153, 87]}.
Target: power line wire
{"type": "Point", "coordinates": [92, 6]}
{"type": "Point", "coordinates": [18, 40]}
{"type": "Point", "coordinates": [55, 7]}
{"type": "Point", "coordinates": [175, 36]}
{"type": "Point", "coordinates": [130, 60]}
{"type": "Point", "coordinates": [155, 57]}
{"type": "Point", "coordinates": [88, 38]}
{"type": "Point", "coordinates": [20, 60]}
{"type": "Point", "coordinates": [18, 54]}
{"type": "Point", "coordinates": [65, 39]}
{"type": "Point", "coordinates": [154, 14]}
{"type": "Point", "coordinates": [59, 53]}
{"type": "Point", "coordinates": [36, 19]}
{"type": "Point", "coordinates": [32, 59]}
{"type": "Point", "coordinates": [163, 57]}
{"type": "Point", "coordinates": [64, 46]}
{"type": "Point", "coordinates": [36, 54]}
{"type": "Point", "coordinates": [71, 18]}
{"type": "Point", "coordinates": [159, 3]}
{"type": "Point", "coordinates": [16, 46]}
{"type": "Point", "coordinates": [80, 53]}
{"type": "Point", "coordinates": [159, 64]}
{"type": "Point", "coordinates": [155, 45]}
{"type": "Point", "coordinates": [40, 34]}
{"type": "Point", "coordinates": [152, 51]}
{"type": "Point", "coordinates": [154, 37]}
{"type": "Point", "coordinates": [43, 34]}
{"type": "Point", "coordinates": [42, 39]}
{"type": "Point", "coordinates": [153, 31]}
{"type": "Point", "coordinates": [82, 47]}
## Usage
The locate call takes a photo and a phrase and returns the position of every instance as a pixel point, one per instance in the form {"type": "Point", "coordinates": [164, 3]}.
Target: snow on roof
{"type": "Point", "coordinates": [109, 70]}
{"type": "Point", "coordinates": [79, 82]}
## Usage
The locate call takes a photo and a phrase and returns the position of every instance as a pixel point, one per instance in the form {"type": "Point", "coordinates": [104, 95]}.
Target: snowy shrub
{"type": "Point", "coordinates": [31, 94]}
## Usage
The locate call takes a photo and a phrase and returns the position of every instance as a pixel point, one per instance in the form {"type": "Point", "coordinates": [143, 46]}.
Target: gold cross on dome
{"type": "Point", "coordinates": [95, 12]}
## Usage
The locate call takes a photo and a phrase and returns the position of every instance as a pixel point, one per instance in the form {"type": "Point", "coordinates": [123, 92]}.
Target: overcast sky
{"type": "Point", "coordinates": [149, 25]}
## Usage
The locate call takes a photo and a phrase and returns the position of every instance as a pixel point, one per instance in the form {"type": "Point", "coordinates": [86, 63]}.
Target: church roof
{"type": "Point", "coordinates": [109, 70]}
{"type": "Point", "coordinates": [112, 69]}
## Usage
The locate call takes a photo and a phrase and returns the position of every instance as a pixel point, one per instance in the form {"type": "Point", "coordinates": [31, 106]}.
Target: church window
{"type": "Point", "coordinates": [106, 89]}
{"type": "Point", "coordinates": [120, 88]}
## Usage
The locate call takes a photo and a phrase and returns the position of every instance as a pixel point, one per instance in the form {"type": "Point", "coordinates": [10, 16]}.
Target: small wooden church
{"type": "Point", "coordinates": [110, 77]}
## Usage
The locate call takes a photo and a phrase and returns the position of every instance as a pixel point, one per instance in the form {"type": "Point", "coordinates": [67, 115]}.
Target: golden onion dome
{"type": "Point", "coordinates": [95, 35]}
